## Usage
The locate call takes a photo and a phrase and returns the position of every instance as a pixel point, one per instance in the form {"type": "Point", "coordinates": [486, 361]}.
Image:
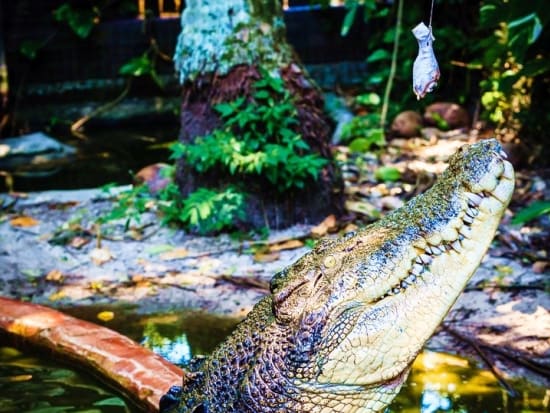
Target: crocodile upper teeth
{"type": "Point", "coordinates": [474, 199]}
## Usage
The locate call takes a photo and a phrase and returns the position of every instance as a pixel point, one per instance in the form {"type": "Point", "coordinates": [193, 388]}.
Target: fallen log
{"type": "Point", "coordinates": [140, 374]}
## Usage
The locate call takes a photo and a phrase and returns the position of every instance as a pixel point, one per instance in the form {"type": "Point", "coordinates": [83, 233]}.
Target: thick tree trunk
{"type": "Point", "coordinates": [220, 51]}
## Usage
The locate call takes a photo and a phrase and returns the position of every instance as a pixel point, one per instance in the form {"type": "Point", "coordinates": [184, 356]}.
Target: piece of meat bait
{"type": "Point", "coordinates": [425, 68]}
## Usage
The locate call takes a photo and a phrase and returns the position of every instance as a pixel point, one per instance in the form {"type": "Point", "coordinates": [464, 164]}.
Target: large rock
{"type": "Point", "coordinates": [36, 153]}
{"type": "Point", "coordinates": [407, 124]}
{"type": "Point", "coordinates": [448, 114]}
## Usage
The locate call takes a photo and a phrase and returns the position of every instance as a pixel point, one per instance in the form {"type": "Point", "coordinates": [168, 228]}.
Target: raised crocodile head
{"type": "Point", "coordinates": [345, 322]}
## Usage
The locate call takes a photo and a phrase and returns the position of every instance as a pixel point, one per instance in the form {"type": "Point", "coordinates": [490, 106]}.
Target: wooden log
{"type": "Point", "coordinates": [140, 374]}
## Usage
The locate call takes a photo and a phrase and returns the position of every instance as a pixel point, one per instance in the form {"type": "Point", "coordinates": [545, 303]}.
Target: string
{"type": "Point", "coordinates": [431, 14]}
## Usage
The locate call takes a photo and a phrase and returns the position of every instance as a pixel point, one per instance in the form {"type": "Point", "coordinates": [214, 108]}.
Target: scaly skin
{"type": "Point", "coordinates": [344, 323]}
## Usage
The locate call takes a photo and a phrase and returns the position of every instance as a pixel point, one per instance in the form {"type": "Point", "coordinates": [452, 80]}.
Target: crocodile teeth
{"type": "Point", "coordinates": [474, 200]}
{"type": "Point", "coordinates": [424, 259]}
{"type": "Point", "coordinates": [417, 269]}
{"type": "Point", "coordinates": [466, 231]}
{"type": "Point", "coordinates": [435, 250]}
{"type": "Point", "coordinates": [456, 246]}
{"type": "Point", "coordinates": [503, 154]}
{"type": "Point", "coordinates": [434, 239]}
{"type": "Point", "coordinates": [472, 212]}
{"type": "Point", "coordinates": [468, 220]}
{"type": "Point", "coordinates": [410, 279]}
{"type": "Point", "coordinates": [449, 234]}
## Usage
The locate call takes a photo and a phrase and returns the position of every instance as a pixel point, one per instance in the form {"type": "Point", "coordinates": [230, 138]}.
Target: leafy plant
{"type": "Point", "coordinates": [387, 174]}
{"type": "Point", "coordinates": [81, 21]}
{"type": "Point", "coordinates": [511, 58]}
{"type": "Point", "coordinates": [142, 65]}
{"type": "Point", "coordinates": [363, 133]}
{"type": "Point", "coordinates": [535, 210]}
{"type": "Point", "coordinates": [130, 205]}
{"type": "Point", "coordinates": [257, 138]}
{"type": "Point", "coordinates": [209, 211]}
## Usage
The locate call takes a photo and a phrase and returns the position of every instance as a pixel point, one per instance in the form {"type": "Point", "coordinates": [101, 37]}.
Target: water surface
{"type": "Point", "coordinates": [438, 382]}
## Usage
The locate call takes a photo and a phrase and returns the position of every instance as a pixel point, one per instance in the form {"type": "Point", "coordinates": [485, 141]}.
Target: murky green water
{"type": "Point", "coordinates": [39, 385]}
{"type": "Point", "coordinates": [438, 382]}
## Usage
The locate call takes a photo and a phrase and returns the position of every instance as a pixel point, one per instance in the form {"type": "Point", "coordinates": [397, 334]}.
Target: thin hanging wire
{"type": "Point", "coordinates": [431, 15]}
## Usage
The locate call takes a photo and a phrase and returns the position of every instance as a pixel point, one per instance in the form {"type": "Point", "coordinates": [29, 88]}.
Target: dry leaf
{"type": "Point", "coordinates": [329, 224]}
{"type": "Point", "coordinates": [363, 208]}
{"type": "Point", "coordinates": [106, 315]}
{"type": "Point", "coordinates": [23, 222]}
{"type": "Point", "coordinates": [136, 234]}
{"type": "Point", "coordinates": [79, 242]}
{"type": "Point", "coordinates": [55, 276]}
{"type": "Point", "coordinates": [350, 228]}
{"type": "Point", "coordinates": [100, 256]}
{"type": "Point", "coordinates": [140, 280]}
{"type": "Point", "coordinates": [96, 285]}
{"type": "Point", "coordinates": [287, 245]}
{"type": "Point", "coordinates": [175, 254]}
{"type": "Point", "coordinates": [20, 377]}
{"type": "Point", "coordinates": [266, 257]}
{"type": "Point", "coordinates": [539, 267]}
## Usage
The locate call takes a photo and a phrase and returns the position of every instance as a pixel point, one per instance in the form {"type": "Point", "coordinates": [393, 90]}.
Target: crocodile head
{"type": "Point", "coordinates": [344, 323]}
{"type": "Point", "coordinates": [363, 306]}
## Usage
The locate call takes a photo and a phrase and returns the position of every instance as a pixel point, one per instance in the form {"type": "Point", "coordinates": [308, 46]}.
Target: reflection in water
{"type": "Point", "coordinates": [35, 385]}
{"type": "Point", "coordinates": [445, 383]}
{"type": "Point", "coordinates": [438, 382]}
{"type": "Point", "coordinates": [175, 349]}
{"type": "Point", "coordinates": [431, 402]}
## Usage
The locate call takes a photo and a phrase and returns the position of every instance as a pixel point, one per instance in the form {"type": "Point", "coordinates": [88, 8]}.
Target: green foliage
{"type": "Point", "coordinates": [535, 210]}
{"type": "Point", "coordinates": [369, 7]}
{"type": "Point", "coordinates": [30, 48]}
{"type": "Point", "coordinates": [387, 174]}
{"type": "Point", "coordinates": [209, 211]}
{"type": "Point", "coordinates": [511, 56]}
{"type": "Point", "coordinates": [130, 204]}
{"type": "Point", "coordinates": [205, 210]}
{"type": "Point", "coordinates": [141, 66]}
{"type": "Point", "coordinates": [81, 21]}
{"type": "Point", "coordinates": [364, 133]}
{"type": "Point", "coordinates": [257, 138]}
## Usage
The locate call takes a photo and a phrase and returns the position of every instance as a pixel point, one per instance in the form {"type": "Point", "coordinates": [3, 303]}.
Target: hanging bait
{"type": "Point", "coordinates": [425, 68]}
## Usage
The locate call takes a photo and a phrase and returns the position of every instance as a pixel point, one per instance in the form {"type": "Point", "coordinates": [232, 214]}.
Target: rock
{"type": "Point", "coordinates": [446, 115]}
{"type": "Point", "coordinates": [156, 176]}
{"type": "Point", "coordinates": [37, 153]}
{"type": "Point", "coordinates": [407, 124]}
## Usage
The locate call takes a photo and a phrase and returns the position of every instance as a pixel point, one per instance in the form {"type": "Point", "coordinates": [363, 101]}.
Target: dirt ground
{"type": "Point", "coordinates": [51, 253]}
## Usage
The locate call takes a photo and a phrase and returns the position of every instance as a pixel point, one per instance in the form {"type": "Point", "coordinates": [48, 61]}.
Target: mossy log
{"type": "Point", "coordinates": [220, 51]}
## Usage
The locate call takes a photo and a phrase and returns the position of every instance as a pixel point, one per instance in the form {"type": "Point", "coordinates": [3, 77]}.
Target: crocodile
{"type": "Point", "coordinates": [342, 325]}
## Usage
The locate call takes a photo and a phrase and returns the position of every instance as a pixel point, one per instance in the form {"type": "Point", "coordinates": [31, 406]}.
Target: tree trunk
{"type": "Point", "coordinates": [222, 49]}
